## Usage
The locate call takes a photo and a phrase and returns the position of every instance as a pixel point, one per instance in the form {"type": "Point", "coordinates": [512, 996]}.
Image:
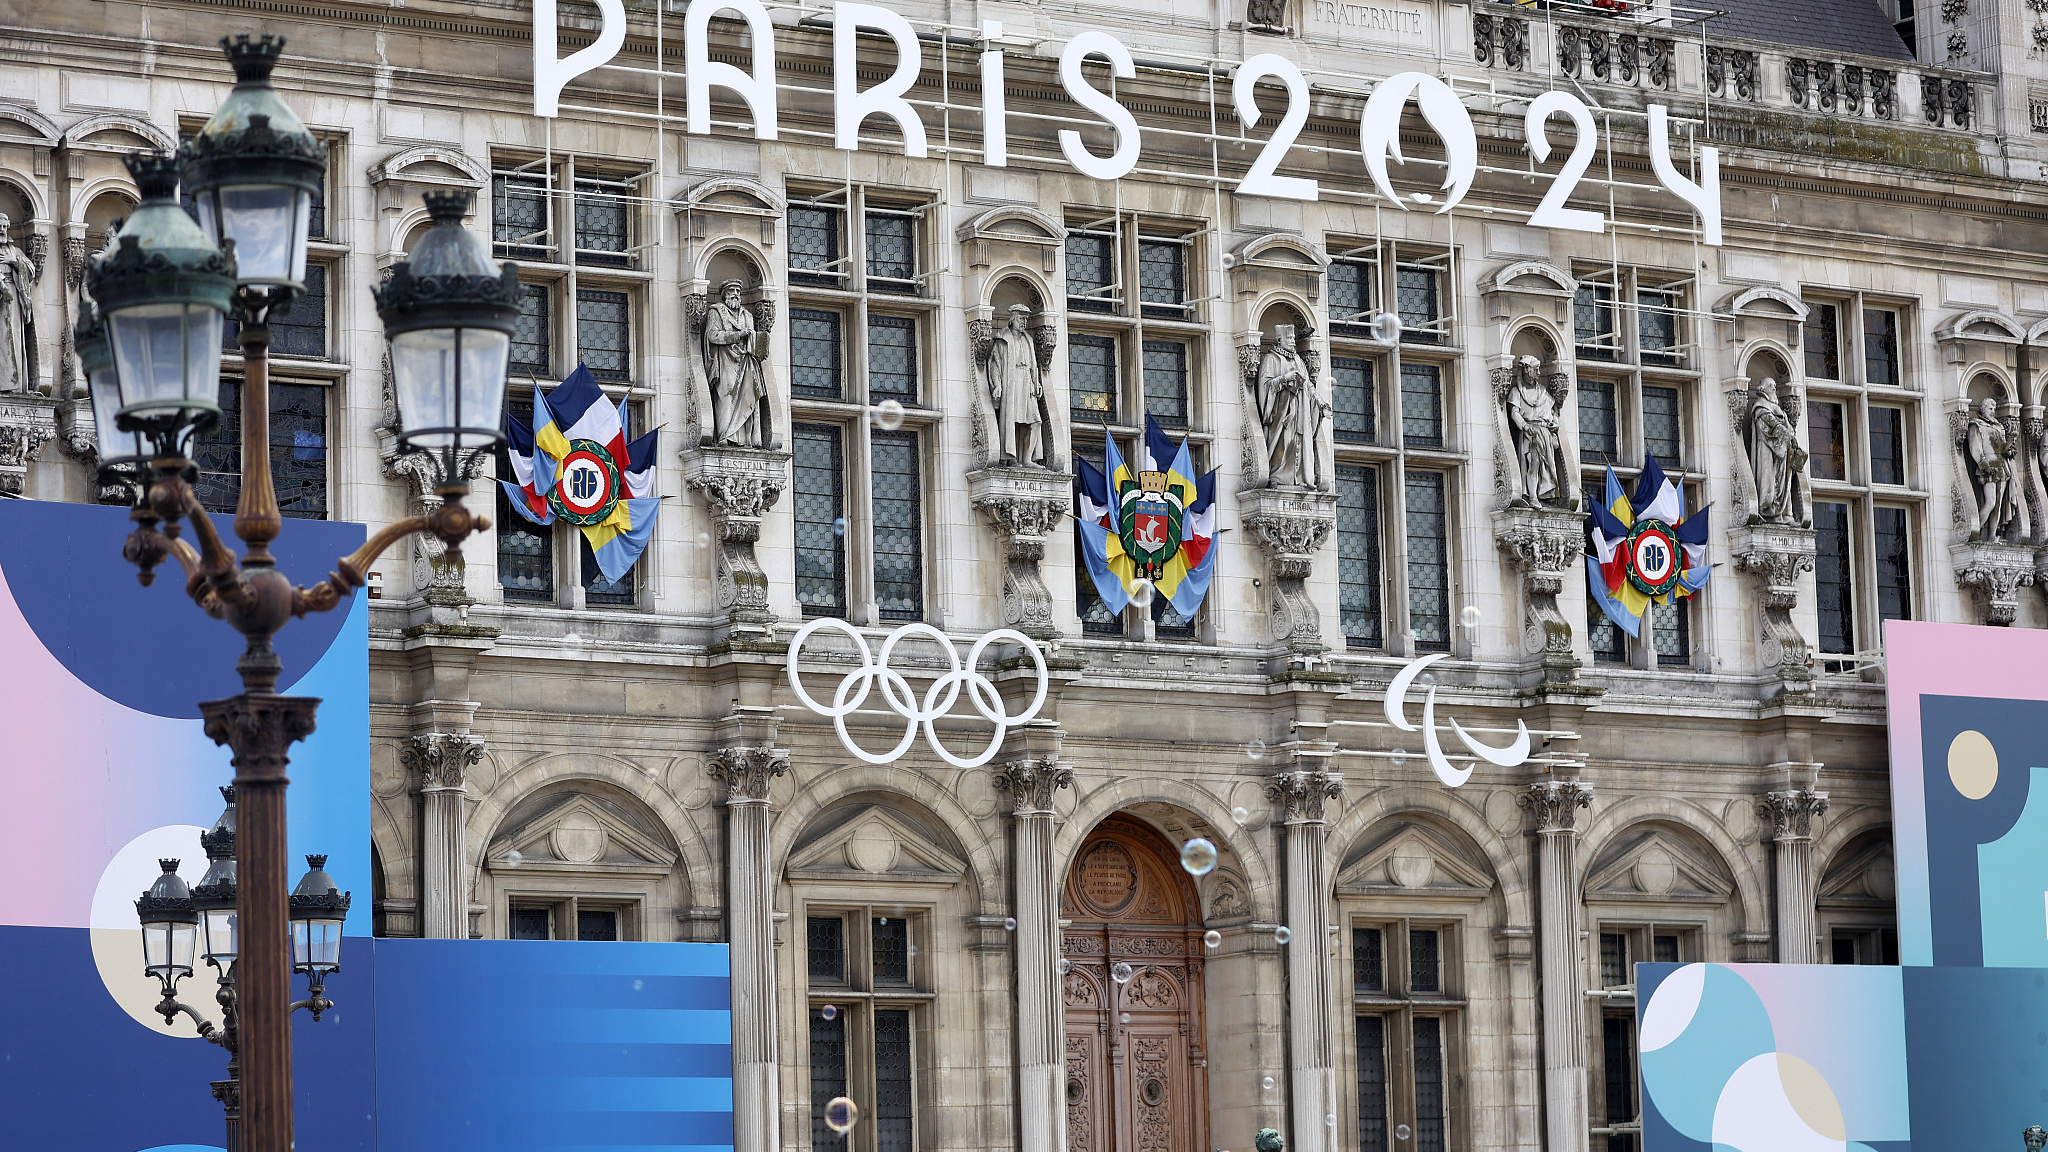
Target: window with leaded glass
{"type": "Point", "coordinates": [1425, 972]}
{"type": "Point", "coordinates": [1881, 347]}
{"type": "Point", "coordinates": [863, 1022]}
{"type": "Point", "coordinates": [1609, 643]}
{"type": "Point", "coordinates": [1091, 376]}
{"type": "Point", "coordinates": [1166, 382]}
{"type": "Point", "coordinates": [1663, 426]}
{"type": "Point", "coordinates": [1091, 271]}
{"type": "Point", "coordinates": [1887, 445]}
{"type": "Point", "coordinates": [1429, 1084]}
{"type": "Point", "coordinates": [1358, 556]}
{"type": "Point", "coordinates": [316, 209]}
{"type": "Point", "coordinates": [298, 451]}
{"type": "Point", "coordinates": [604, 340]}
{"type": "Point", "coordinates": [1352, 400]}
{"type": "Point", "coordinates": [533, 922]}
{"type": "Point", "coordinates": [1168, 623]}
{"type": "Point", "coordinates": [892, 359]}
{"type": "Point", "coordinates": [1657, 329]}
{"type": "Point", "coordinates": [1162, 277]}
{"type": "Point", "coordinates": [1822, 337]}
{"type": "Point", "coordinates": [818, 482]}
{"type": "Point", "coordinates": [1372, 1083]}
{"type": "Point", "coordinates": [599, 592]}
{"type": "Point", "coordinates": [526, 551]}
{"type": "Point", "coordinates": [1618, 1059]}
{"type": "Point", "coordinates": [892, 251]}
{"type": "Point", "coordinates": [814, 354]}
{"type": "Point", "coordinates": [1429, 568]}
{"type": "Point", "coordinates": [899, 526]}
{"type": "Point", "coordinates": [1599, 423]}
{"type": "Point", "coordinates": [302, 330]}
{"type": "Point", "coordinates": [828, 1069]}
{"type": "Point", "coordinates": [1834, 586]}
{"type": "Point", "coordinates": [603, 222]}
{"type": "Point", "coordinates": [1416, 289]}
{"type": "Point", "coordinates": [814, 245]}
{"type": "Point", "coordinates": [1827, 440]}
{"type": "Point", "coordinates": [1671, 632]}
{"type": "Point", "coordinates": [532, 329]}
{"type": "Point", "coordinates": [519, 215]}
{"type": "Point", "coordinates": [1368, 961]}
{"type": "Point", "coordinates": [1351, 296]}
{"type": "Point", "coordinates": [1096, 618]}
{"type": "Point", "coordinates": [1593, 325]}
{"type": "Point", "coordinates": [1422, 406]}
{"type": "Point", "coordinates": [1404, 995]}
{"type": "Point", "coordinates": [825, 946]}
{"type": "Point", "coordinates": [1894, 555]}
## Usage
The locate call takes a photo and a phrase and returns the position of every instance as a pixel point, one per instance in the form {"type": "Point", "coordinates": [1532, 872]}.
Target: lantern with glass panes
{"type": "Point", "coordinates": [319, 908]}
{"type": "Point", "coordinates": [123, 455]}
{"type": "Point", "coordinates": [170, 933]}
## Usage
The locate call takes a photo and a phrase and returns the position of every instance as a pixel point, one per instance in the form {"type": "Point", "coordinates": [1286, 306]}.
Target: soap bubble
{"type": "Point", "coordinates": [703, 539]}
{"type": "Point", "coordinates": [911, 951]}
{"type": "Point", "coordinates": [1402, 1132]}
{"type": "Point", "coordinates": [1065, 965]}
{"type": "Point", "coordinates": [882, 920]}
{"type": "Point", "coordinates": [1240, 815]}
{"type": "Point", "coordinates": [1283, 934]}
{"type": "Point", "coordinates": [1198, 856]}
{"type": "Point", "coordinates": [1124, 1019]}
{"type": "Point", "coordinates": [829, 1012]}
{"type": "Point", "coordinates": [1400, 757]}
{"type": "Point", "coordinates": [1141, 593]}
{"type": "Point", "coordinates": [637, 985]}
{"type": "Point", "coordinates": [1386, 327]}
{"type": "Point", "coordinates": [889, 415]}
{"type": "Point", "coordinates": [1212, 939]}
{"type": "Point", "coordinates": [1009, 924]}
{"type": "Point", "coordinates": [571, 640]}
{"type": "Point", "coordinates": [839, 526]}
{"type": "Point", "coordinates": [1256, 750]}
{"type": "Point", "coordinates": [1120, 972]}
{"type": "Point", "coordinates": [1427, 679]}
{"type": "Point", "coordinates": [1470, 616]}
{"type": "Point", "coordinates": [514, 858]}
{"type": "Point", "coordinates": [1267, 1083]}
{"type": "Point", "coordinates": [1330, 1119]}
{"type": "Point", "coordinates": [841, 1114]}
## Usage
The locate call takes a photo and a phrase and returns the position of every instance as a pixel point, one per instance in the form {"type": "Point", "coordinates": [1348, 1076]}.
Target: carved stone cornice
{"type": "Point", "coordinates": [748, 771]}
{"type": "Point", "coordinates": [1792, 812]}
{"type": "Point", "coordinates": [1291, 525]}
{"type": "Point", "coordinates": [1995, 573]}
{"type": "Point", "coordinates": [1305, 792]}
{"type": "Point", "coordinates": [1025, 505]}
{"type": "Point", "coordinates": [739, 485]}
{"type": "Point", "coordinates": [440, 761]}
{"type": "Point", "coordinates": [1545, 546]}
{"type": "Point", "coordinates": [1775, 554]}
{"type": "Point", "coordinates": [1556, 803]}
{"type": "Point", "coordinates": [1031, 784]}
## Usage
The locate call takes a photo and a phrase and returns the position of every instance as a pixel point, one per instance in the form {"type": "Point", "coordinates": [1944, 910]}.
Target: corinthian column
{"type": "Point", "coordinates": [440, 761]}
{"type": "Point", "coordinates": [1792, 813]}
{"type": "Point", "coordinates": [1311, 1068]}
{"type": "Point", "coordinates": [750, 906]}
{"type": "Point", "coordinates": [1030, 785]}
{"type": "Point", "coordinates": [1556, 804]}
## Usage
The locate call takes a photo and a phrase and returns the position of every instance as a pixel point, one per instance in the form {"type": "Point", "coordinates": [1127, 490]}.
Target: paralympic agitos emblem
{"type": "Point", "coordinates": [1153, 516]}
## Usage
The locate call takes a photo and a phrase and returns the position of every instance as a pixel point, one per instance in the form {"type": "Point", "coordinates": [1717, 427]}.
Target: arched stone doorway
{"type": "Point", "coordinates": [1137, 1063]}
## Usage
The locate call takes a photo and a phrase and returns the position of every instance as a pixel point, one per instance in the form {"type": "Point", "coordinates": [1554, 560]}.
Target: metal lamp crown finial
{"type": "Point", "coordinates": [155, 173]}
{"type": "Point", "coordinates": [316, 863]}
{"type": "Point", "coordinates": [252, 59]}
{"type": "Point", "coordinates": [447, 206]}
{"type": "Point", "coordinates": [167, 865]}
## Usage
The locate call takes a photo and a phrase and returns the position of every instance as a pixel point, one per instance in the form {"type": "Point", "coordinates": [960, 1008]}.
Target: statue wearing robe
{"type": "Point", "coordinates": [1775, 455]}
{"type": "Point", "coordinates": [733, 370]}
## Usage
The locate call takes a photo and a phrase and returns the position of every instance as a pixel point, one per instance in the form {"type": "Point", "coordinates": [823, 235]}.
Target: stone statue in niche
{"type": "Point", "coordinates": [1775, 456]}
{"type": "Point", "coordinates": [1993, 455]}
{"type": "Point", "coordinates": [732, 367]}
{"type": "Point", "coordinates": [1013, 367]}
{"type": "Point", "coordinates": [1532, 416]}
{"type": "Point", "coordinates": [18, 272]}
{"type": "Point", "coordinates": [1291, 412]}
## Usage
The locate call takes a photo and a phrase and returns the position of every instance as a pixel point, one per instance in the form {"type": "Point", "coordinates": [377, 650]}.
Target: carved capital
{"type": "Point", "coordinates": [260, 730]}
{"type": "Point", "coordinates": [1556, 803]}
{"type": "Point", "coordinates": [1305, 792]}
{"type": "Point", "coordinates": [748, 772]}
{"type": "Point", "coordinates": [441, 760]}
{"type": "Point", "coordinates": [1031, 784]}
{"type": "Point", "coordinates": [1792, 812]}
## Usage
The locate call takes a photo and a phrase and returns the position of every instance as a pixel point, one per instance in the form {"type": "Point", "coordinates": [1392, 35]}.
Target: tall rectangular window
{"type": "Point", "coordinates": [1834, 591]}
{"type": "Point", "coordinates": [597, 591]}
{"type": "Point", "coordinates": [303, 330]}
{"type": "Point", "coordinates": [1351, 296]}
{"type": "Point", "coordinates": [828, 1071]}
{"type": "Point", "coordinates": [1358, 555]}
{"type": "Point", "coordinates": [1671, 632]}
{"type": "Point", "coordinates": [1827, 439]}
{"type": "Point", "coordinates": [1422, 405]}
{"type": "Point", "coordinates": [298, 451]}
{"type": "Point", "coordinates": [1429, 568]}
{"type": "Point", "coordinates": [814, 353]}
{"type": "Point", "coordinates": [892, 251]}
{"type": "Point", "coordinates": [1368, 961]}
{"type": "Point", "coordinates": [1881, 347]}
{"type": "Point", "coordinates": [1091, 375]}
{"type": "Point", "coordinates": [1599, 423]}
{"type": "Point", "coordinates": [1096, 618]}
{"type": "Point", "coordinates": [1894, 564]}
{"type": "Point", "coordinates": [899, 526]}
{"type": "Point", "coordinates": [519, 216]}
{"type": "Point", "coordinates": [1416, 288]}
{"type": "Point", "coordinates": [867, 1050]}
{"type": "Point", "coordinates": [1351, 399]}
{"type": "Point", "coordinates": [1372, 1083]}
{"type": "Point", "coordinates": [1166, 382]}
{"type": "Point", "coordinates": [1823, 340]}
{"type": "Point", "coordinates": [526, 551]}
{"type": "Point", "coordinates": [604, 333]}
{"type": "Point", "coordinates": [1425, 963]}
{"type": "Point", "coordinates": [1162, 277]}
{"type": "Point", "coordinates": [1609, 643]}
{"type": "Point", "coordinates": [531, 329]}
{"type": "Point", "coordinates": [1429, 1084]}
{"type": "Point", "coordinates": [892, 359]}
{"type": "Point", "coordinates": [818, 484]}
{"type": "Point", "coordinates": [603, 222]}
{"type": "Point", "coordinates": [1593, 327]}
{"type": "Point", "coordinates": [825, 948]}
{"type": "Point", "coordinates": [1091, 271]}
{"type": "Point", "coordinates": [1614, 967]}
{"type": "Point", "coordinates": [1887, 445]}
{"type": "Point", "coordinates": [1663, 426]}
{"type": "Point", "coordinates": [894, 1100]}
{"type": "Point", "coordinates": [814, 245]}
{"type": "Point", "coordinates": [1619, 1062]}
{"type": "Point", "coordinates": [1657, 331]}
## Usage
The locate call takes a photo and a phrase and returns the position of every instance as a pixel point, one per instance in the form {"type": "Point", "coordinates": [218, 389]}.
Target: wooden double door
{"type": "Point", "coordinates": [1137, 1064]}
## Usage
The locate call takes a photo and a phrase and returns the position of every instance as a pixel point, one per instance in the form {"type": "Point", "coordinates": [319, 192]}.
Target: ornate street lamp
{"type": "Point", "coordinates": [169, 929]}
{"type": "Point", "coordinates": [253, 171]}
{"type": "Point", "coordinates": [318, 909]}
{"type": "Point", "coordinates": [122, 453]}
{"type": "Point", "coordinates": [214, 899]}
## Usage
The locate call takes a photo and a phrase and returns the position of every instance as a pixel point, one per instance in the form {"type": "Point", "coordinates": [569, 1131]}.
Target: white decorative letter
{"type": "Point", "coordinates": [1261, 181]}
{"type": "Point", "coordinates": [700, 72]}
{"type": "Point", "coordinates": [550, 75]}
{"type": "Point", "coordinates": [995, 121]}
{"type": "Point", "coordinates": [1552, 213]}
{"type": "Point", "coordinates": [1705, 196]}
{"type": "Point", "coordinates": [851, 107]}
{"type": "Point", "coordinates": [1125, 158]}
{"type": "Point", "coordinates": [1379, 133]}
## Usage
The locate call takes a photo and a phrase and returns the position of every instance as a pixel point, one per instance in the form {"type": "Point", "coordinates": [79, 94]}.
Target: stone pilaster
{"type": "Point", "coordinates": [1555, 804]}
{"type": "Point", "coordinates": [748, 771]}
{"type": "Point", "coordinates": [1775, 554]}
{"type": "Point", "coordinates": [1311, 1069]}
{"type": "Point", "coordinates": [1041, 1107]}
{"type": "Point", "coordinates": [1025, 505]}
{"type": "Point", "coordinates": [440, 763]}
{"type": "Point", "coordinates": [1995, 573]}
{"type": "Point", "coordinates": [1545, 546]}
{"type": "Point", "coordinates": [1792, 814]}
{"type": "Point", "coordinates": [1290, 525]}
{"type": "Point", "coordinates": [739, 485]}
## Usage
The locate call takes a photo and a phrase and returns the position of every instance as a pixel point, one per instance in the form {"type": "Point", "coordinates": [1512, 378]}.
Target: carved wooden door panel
{"type": "Point", "coordinates": [1136, 1063]}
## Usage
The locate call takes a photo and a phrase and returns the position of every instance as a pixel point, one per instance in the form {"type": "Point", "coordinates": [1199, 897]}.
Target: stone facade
{"type": "Point", "coordinates": [555, 756]}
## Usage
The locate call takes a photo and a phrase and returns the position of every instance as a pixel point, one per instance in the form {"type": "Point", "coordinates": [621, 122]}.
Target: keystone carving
{"type": "Point", "coordinates": [441, 760]}
{"type": "Point", "coordinates": [1776, 555]}
{"type": "Point", "coordinates": [739, 485]}
{"type": "Point", "coordinates": [1995, 573]}
{"type": "Point", "coordinates": [1305, 792]}
{"type": "Point", "coordinates": [1024, 504]}
{"type": "Point", "coordinates": [748, 771]}
{"type": "Point", "coordinates": [1792, 812]}
{"type": "Point", "coordinates": [1556, 803]}
{"type": "Point", "coordinates": [1031, 784]}
{"type": "Point", "coordinates": [1546, 547]}
{"type": "Point", "coordinates": [1291, 525]}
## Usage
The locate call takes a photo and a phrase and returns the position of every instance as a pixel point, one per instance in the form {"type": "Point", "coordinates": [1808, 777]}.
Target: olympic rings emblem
{"type": "Point", "coordinates": [902, 698]}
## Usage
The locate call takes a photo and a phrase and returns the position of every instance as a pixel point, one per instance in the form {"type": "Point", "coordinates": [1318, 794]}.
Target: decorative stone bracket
{"type": "Point", "coordinates": [27, 422]}
{"type": "Point", "coordinates": [739, 484]}
{"type": "Point", "coordinates": [1291, 525]}
{"type": "Point", "coordinates": [1025, 505]}
{"type": "Point", "coordinates": [1776, 554]}
{"type": "Point", "coordinates": [1545, 546]}
{"type": "Point", "coordinates": [1996, 573]}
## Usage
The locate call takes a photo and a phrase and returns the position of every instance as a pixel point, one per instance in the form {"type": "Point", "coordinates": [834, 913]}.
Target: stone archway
{"type": "Point", "coordinates": [1137, 1065]}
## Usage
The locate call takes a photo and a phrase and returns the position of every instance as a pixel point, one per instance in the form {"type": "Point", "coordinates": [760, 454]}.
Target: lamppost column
{"type": "Point", "coordinates": [1556, 803]}
{"type": "Point", "coordinates": [1031, 785]}
{"type": "Point", "coordinates": [748, 771]}
{"type": "Point", "coordinates": [1792, 813]}
{"type": "Point", "coordinates": [1312, 1077]}
{"type": "Point", "coordinates": [441, 760]}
